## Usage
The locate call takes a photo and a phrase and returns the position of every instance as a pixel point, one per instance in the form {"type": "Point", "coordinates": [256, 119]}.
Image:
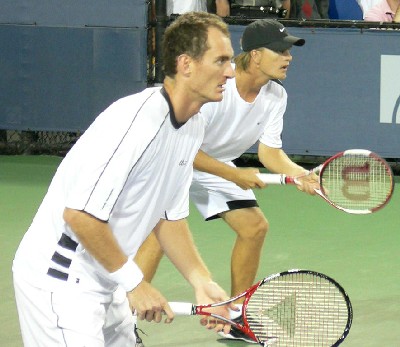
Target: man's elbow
{"type": "Point", "coordinates": [73, 217]}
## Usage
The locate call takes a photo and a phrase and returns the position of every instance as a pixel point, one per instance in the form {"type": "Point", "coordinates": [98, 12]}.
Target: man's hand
{"type": "Point", "coordinates": [149, 303]}
{"type": "Point", "coordinates": [309, 183]}
{"type": "Point", "coordinates": [208, 293]}
{"type": "Point", "coordinates": [247, 178]}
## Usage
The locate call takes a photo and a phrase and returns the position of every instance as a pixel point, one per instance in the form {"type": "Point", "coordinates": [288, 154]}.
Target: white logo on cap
{"type": "Point", "coordinates": [282, 30]}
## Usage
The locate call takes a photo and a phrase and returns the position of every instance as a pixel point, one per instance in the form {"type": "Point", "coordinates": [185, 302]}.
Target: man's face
{"type": "Point", "coordinates": [209, 75]}
{"type": "Point", "coordinates": [274, 64]}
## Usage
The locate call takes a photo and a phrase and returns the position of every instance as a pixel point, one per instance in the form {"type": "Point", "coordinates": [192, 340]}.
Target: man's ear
{"type": "Point", "coordinates": [183, 64]}
{"type": "Point", "coordinates": [255, 55]}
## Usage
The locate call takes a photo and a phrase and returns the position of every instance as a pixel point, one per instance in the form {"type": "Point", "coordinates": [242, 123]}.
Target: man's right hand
{"type": "Point", "coordinates": [149, 304]}
{"type": "Point", "coordinates": [247, 178]}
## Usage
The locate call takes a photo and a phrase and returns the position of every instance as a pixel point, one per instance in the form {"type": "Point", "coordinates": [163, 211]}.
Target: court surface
{"type": "Point", "coordinates": [360, 252]}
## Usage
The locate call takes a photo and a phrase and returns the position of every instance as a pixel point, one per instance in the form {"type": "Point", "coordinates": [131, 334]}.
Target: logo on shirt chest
{"type": "Point", "coordinates": [183, 162]}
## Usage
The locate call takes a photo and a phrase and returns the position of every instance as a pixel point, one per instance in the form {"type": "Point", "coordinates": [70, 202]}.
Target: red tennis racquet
{"type": "Point", "coordinates": [295, 308]}
{"type": "Point", "coordinates": [355, 181]}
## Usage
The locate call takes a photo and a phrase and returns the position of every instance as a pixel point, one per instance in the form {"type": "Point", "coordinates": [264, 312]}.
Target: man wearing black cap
{"type": "Point", "coordinates": [252, 110]}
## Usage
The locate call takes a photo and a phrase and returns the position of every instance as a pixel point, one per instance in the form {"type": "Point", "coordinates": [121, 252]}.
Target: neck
{"type": "Point", "coordinates": [249, 84]}
{"type": "Point", "coordinates": [183, 104]}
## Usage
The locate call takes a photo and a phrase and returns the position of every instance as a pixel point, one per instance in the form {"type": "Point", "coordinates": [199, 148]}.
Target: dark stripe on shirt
{"type": "Point", "coordinates": [61, 260]}
{"type": "Point", "coordinates": [67, 243]}
{"type": "Point", "coordinates": [57, 274]}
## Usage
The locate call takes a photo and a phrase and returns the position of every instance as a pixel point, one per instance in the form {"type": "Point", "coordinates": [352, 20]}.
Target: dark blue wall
{"type": "Point", "coordinates": [62, 63]}
{"type": "Point", "coordinates": [75, 13]}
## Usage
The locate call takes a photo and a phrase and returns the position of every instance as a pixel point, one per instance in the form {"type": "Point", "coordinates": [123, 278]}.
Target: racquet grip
{"type": "Point", "coordinates": [272, 178]}
{"type": "Point", "coordinates": [182, 308]}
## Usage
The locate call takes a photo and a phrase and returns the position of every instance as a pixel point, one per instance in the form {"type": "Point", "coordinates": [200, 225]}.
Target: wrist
{"type": "Point", "coordinates": [230, 173]}
{"type": "Point", "coordinates": [198, 279]}
{"type": "Point", "coordinates": [128, 276]}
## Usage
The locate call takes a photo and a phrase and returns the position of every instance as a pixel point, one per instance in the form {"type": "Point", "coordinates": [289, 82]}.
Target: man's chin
{"type": "Point", "coordinates": [214, 98]}
{"type": "Point", "coordinates": [218, 97]}
{"type": "Point", "coordinates": [282, 76]}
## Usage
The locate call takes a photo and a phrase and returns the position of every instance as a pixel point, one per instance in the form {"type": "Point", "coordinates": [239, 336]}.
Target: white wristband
{"type": "Point", "coordinates": [128, 276]}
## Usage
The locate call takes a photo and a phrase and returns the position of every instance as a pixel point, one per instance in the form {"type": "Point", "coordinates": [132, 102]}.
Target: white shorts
{"type": "Point", "coordinates": [72, 319]}
{"type": "Point", "coordinates": [213, 195]}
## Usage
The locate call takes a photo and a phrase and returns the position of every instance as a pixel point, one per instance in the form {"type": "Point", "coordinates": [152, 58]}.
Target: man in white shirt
{"type": "Point", "coordinates": [252, 110]}
{"type": "Point", "coordinates": [104, 200]}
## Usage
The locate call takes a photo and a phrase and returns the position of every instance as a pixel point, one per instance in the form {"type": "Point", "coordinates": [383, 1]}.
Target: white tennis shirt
{"type": "Point", "coordinates": [132, 167]}
{"type": "Point", "coordinates": [234, 125]}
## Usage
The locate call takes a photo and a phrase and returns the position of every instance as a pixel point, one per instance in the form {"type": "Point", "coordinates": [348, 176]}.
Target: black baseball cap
{"type": "Point", "coordinates": [268, 33]}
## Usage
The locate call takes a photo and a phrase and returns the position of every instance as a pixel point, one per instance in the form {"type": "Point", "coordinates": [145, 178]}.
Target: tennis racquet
{"type": "Point", "coordinates": [355, 181]}
{"type": "Point", "coordinates": [295, 308]}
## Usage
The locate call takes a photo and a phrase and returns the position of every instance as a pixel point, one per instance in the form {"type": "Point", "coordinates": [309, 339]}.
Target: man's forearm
{"type": "Point", "coordinates": [276, 160]}
{"type": "Point", "coordinates": [182, 251]}
{"type": "Point", "coordinates": [97, 238]}
{"type": "Point", "coordinates": [223, 8]}
{"type": "Point", "coordinates": [203, 162]}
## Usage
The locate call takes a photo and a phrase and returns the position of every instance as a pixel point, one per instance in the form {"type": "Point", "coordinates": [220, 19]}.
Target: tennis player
{"type": "Point", "coordinates": [128, 174]}
{"type": "Point", "coordinates": [252, 110]}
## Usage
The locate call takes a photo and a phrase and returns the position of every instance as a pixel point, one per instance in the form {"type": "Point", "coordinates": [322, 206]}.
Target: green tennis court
{"type": "Point", "coordinates": [360, 252]}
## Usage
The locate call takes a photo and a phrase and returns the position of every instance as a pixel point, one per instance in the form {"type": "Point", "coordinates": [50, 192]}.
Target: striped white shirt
{"type": "Point", "coordinates": [132, 167]}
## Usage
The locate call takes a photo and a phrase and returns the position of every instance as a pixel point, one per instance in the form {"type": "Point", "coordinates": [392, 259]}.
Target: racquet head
{"type": "Point", "coordinates": [297, 308]}
{"type": "Point", "coordinates": [356, 181]}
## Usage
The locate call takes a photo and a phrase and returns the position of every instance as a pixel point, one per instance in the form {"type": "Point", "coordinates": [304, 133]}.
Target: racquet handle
{"type": "Point", "coordinates": [182, 308]}
{"type": "Point", "coordinates": [276, 179]}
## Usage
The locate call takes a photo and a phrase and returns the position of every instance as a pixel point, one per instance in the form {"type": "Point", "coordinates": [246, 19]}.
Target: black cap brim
{"type": "Point", "coordinates": [286, 43]}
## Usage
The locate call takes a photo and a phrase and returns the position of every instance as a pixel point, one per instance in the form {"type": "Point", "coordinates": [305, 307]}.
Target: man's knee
{"type": "Point", "coordinates": [261, 228]}
{"type": "Point", "coordinates": [255, 229]}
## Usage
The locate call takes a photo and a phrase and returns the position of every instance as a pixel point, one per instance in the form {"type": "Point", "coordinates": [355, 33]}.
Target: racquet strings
{"type": "Point", "coordinates": [298, 310]}
{"type": "Point", "coordinates": [357, 182]}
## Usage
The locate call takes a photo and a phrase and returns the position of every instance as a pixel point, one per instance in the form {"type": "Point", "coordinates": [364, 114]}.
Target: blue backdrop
{"type": "Point", "coordinates": [62, 63]}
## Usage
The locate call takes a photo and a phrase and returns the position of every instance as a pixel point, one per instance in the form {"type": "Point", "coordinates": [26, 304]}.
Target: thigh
{"type": "Point", "coordinates": [214, 195]}
{"type": "Point", "coordinates": [120, 323]}
{"type": "Point", "coordinates": [58, 318]}
{"type": "Point", "coordinates": [37, 322]}
{"type": "Point", "coordinates": [245, 219]}
{"type": "Point", "coordinates": [81, 318]}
